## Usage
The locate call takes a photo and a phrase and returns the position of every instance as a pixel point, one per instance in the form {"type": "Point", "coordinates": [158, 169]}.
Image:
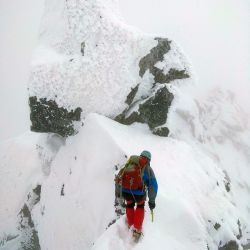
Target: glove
{"type": "Point", "coordinates": [151, 205]}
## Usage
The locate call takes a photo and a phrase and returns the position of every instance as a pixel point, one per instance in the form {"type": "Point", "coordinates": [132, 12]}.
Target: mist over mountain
{"type": "Point", "coordinates": [100, 90]}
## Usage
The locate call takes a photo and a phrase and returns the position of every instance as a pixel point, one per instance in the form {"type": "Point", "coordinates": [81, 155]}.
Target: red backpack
{"type": "Point", "coordinates": [130, 176]}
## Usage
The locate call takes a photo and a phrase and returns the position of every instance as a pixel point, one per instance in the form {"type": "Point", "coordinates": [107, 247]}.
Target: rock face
{"type": "Point", "coordinates": [28, 236]}
{"type": "Point", "coordinates": [46, 116]}
{"type": "Point", "coordinates": [155, 56]}
{"type": "Point", "coordinates": [88, 60]}
{"type": "Point", "coordinates": [231, 245]}
{"type": "Point", "coordinates": [153, 111]}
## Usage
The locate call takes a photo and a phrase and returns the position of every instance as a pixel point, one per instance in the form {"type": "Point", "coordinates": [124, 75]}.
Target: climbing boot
{"type": "Point", "coordinates": [136, 235]}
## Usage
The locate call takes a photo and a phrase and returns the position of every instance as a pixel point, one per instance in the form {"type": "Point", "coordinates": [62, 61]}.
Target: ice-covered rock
{"type": "Point", "coordinates": [89, 60]}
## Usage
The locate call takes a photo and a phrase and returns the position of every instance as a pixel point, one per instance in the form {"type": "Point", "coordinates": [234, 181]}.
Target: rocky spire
{"type": "Point", "coordinates": [90, 61]}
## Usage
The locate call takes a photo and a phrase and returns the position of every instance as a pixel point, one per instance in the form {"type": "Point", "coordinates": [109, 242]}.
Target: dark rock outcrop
{"type": "Point", "coordinates": [155, 55]}
{"type": "Point", "coordinates": [246, 247]}
{"type": "Point", "coordinates": [173, 74]}
{"type": "Point", "coordinates": [217, 226]}
{"type": "Point", "coordinates": [152, 109]}
{"type": "Point", "coordinates": [29, 237]}
{"type": "Point", "coordinates": [82, 48]}
{"type": "Point", "coordinates": [162, 131]}
{"type": "Point", "coordinates": [132, 95]}
{"type": "Point", "coordinates": [153, 112]}
{"type": "Point", "coordinates": [46, 116]}
{"type": "Point", "coordinates": [231, 245]}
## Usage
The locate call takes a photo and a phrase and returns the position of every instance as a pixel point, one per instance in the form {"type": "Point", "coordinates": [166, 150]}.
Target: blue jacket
{"type": "Point", "coordinates": [151, 183]}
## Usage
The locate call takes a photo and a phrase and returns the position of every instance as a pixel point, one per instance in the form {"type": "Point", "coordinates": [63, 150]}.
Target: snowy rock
{"type": "Point", "coordinates": [29, 237]}
{"type": "Point", "coordinates": [153, 111]}
{"type": "Point", "coordinates": [46, 116]}
{"type": "Point", "coordinates": [89, 60]}
{"type": "Point", "coordinates": [231, 245]}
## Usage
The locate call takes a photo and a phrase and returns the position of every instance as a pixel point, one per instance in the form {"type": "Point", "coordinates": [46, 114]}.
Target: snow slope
{"type": "Point", "coordinates": [76, 203]}
{"type": "Point", "coordinates": [19, 170]}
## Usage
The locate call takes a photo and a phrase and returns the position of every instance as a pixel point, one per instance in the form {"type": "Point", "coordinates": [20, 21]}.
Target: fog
{"type": "Point", "coordinates": [19, 26]}
{"type": "Point", "coordinates": [214, 34]}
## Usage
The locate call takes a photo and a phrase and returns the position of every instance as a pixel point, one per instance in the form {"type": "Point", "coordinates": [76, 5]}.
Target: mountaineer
{"type": "Point", "coordinates": [133, 182]}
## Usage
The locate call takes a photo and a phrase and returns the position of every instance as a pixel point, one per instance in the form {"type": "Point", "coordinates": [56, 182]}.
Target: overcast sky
{"type": "Point", "coordinates": [214, 34]}
{"type": "Point", "coordinates": [19, 22]}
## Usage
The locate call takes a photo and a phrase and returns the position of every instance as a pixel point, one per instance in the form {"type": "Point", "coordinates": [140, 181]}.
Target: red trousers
{"type": "Point", "coordinates": [135, 216]}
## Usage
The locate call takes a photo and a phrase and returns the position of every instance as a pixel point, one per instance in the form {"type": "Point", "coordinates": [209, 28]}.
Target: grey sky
{"type": "Point", "coordinates": [213, 33]}
{"type": "Point", "coordinates": [19, 22]}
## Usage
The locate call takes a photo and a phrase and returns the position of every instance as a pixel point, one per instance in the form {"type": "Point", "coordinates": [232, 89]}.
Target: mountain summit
{"type": "Point", "coordinates": [88, 60]}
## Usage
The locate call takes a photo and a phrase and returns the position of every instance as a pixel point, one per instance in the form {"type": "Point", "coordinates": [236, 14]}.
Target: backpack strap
{"type": "Point", "coordinates": [134, 159]}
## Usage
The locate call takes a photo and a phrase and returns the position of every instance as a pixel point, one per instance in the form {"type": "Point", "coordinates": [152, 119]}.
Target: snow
{"type": "Point", "coordinates": [19, 172]}
{"type": "Point", "coordinates": [119, 237]}
{"type": "Point", "coordinates": [77, 197]}
{"type": "Point", "coordinates": [99, 78]}
{"type": "Point", "coordinates": [87, 177]}
{"type": "Point", "coordinates": [173, 59]}
{"type": "Point", "coordinates": [207, 153]}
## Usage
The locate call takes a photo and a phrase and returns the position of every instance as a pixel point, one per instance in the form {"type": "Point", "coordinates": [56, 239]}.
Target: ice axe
{"type": "Point", "coordinates": [152, 215]}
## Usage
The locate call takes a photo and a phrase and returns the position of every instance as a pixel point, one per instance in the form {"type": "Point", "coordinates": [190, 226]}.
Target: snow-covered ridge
{"type": "Point", "coordinates": [76, 205]}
